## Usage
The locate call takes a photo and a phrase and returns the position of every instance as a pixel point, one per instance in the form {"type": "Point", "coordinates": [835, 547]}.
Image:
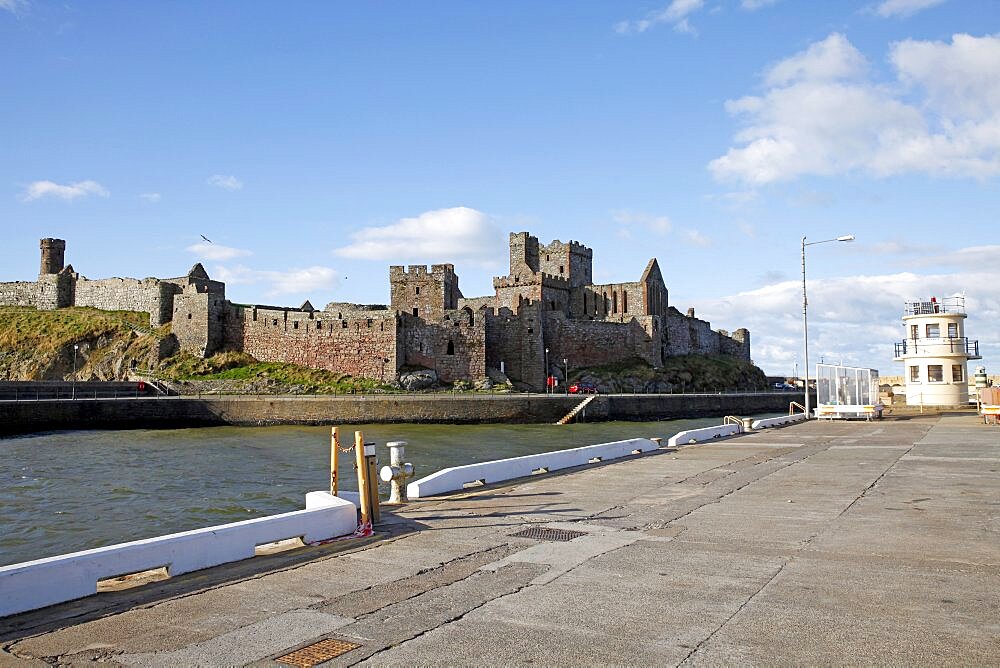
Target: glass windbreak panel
{"type": "Point", "coordinates": [933, 330]}
{"type": "Point", "coordinates": [846, 386]}
{"type": "Point", "coordinates": [952, 330]}
{"type": "Point", "coordinates": [914, 374]}
{"type": "Point", "coordinates": [914, 331]}
{"type": "Point", "coordinates": [957, 373]}
{"type": "Point", "coordinates": [935, 373]}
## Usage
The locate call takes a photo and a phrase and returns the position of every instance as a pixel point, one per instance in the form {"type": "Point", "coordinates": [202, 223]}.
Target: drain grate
{"type": "Point", "coordinates": [545, 533]}
{"type": "Point", "coordinates": [317, 653]}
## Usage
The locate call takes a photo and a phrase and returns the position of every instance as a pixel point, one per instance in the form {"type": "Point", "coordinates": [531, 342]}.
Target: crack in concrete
{"type": "Point", "coordinates": [738, 610]}
{"type": "Point", "coordinates": [442, 624]}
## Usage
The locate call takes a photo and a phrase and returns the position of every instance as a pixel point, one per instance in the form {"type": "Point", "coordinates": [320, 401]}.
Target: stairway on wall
{"type": "Point", "coordinates": [579, 407]}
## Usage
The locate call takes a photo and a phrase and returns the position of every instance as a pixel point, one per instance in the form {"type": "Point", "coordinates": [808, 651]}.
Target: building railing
{"type": "Point", "coordinates": [938, 346]}
{"type": "Point", "coordinates": [955, 305]}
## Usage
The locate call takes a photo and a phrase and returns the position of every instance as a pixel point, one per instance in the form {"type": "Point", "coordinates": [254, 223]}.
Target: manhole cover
{"type": "Point", "coordinates": [545, 533]}
{"type": "Point", "coordinates": [317, 653]}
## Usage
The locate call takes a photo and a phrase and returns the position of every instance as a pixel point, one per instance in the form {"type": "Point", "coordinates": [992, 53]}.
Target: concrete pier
{"type": "Point", "coordinates": [819, 543]}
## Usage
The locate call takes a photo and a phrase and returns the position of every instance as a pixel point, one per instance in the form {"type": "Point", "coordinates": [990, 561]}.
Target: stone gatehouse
{"type": "Point", "coordinates": [546, 310]}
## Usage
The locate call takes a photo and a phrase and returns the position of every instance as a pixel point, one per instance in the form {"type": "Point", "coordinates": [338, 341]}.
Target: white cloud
{"type": "Point", "coordinates": [443, 235]}
{"type": "Point", "coordinates": [752, 5]}
{"type": "Point", "coordinates": [39, 189]}
{"type": "Point", "coordinates": [676, 13]}
{"type": "Point", "coordinates": [823, 115]}
{"type": "Point", "coordinates": [854, 319]}
{"type": "Point", "coordinates": [209, 251]}
{"type": "Point", "coordinates": [629, 220]}
{"type": "Point", "coordinates": [696, 238]}
{"type": "Point", "coordinates": [904, 7]}
{"type": "Point", "coordinates": [152, 198]}
{"type": "Point", "coordinates": [290, 282]}
{"type": "Point", "coordinates": [226, 182]}
{"type": "Point", "coordinates": [13, 6]}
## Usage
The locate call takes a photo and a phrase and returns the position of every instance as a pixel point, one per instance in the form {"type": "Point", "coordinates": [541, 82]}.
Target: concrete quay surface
{"type": "Point", "coordinates": [820, 543]}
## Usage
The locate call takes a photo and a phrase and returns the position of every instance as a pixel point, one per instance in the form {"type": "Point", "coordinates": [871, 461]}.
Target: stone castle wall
{"type": "Point", "coordinates": [19, 293]}
{"type": "Point", "coordinates": [362, 343]}
{"type": "Point", "coordinates": [455, 347]}
{"type": "Point", "coordinates": [127, 294]}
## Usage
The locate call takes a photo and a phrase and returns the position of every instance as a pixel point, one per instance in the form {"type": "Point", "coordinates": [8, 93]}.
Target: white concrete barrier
{"type": "Point", "coordinates": [778, 421]}
{"type": "Point", "coordinates": [703, 434]}
{"type": "Point", "coordinates": [456, 477]}
{"type": "Point", "coordinates": [36, 584]}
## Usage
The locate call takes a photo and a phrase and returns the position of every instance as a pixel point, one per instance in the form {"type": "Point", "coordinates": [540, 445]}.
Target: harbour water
{"type": "Point", "coordinates": [66, 491]}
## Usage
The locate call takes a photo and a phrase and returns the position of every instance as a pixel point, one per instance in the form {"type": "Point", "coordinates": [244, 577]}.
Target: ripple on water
{"type": "Point", "coordinates": [107, 487]}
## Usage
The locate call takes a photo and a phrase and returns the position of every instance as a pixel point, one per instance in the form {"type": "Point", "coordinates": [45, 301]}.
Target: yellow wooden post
{"type": "Point", "coordinates": [334, 456]}
{"type": "Point", "coordinates": [363, 482]}
{"type": "Point", "coordinates": [373, 488]}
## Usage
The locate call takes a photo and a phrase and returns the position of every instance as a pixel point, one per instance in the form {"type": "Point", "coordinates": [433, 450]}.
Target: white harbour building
{"type": "Point", "coordinates": [935, 352]}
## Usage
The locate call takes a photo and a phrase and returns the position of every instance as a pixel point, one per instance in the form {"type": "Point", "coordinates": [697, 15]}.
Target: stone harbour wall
{"type": "Point", "coordinates": [177, 412]}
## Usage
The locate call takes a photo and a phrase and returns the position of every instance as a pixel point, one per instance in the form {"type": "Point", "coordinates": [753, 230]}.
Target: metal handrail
{"type": "Point", "coordinates": [957, 344]}
{"type": "Point", "coordinates": [954, 305]}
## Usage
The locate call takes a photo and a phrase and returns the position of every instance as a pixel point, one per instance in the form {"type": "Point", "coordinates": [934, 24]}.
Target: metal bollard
{"type": "Point", "coordinates": [396, 472]}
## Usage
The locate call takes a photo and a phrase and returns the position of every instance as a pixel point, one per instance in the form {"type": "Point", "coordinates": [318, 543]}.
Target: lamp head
{"type": "Point", "coordinates": [846, 237]}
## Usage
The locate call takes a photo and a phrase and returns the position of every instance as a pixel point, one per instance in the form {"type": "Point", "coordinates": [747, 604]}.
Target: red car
{"type": "Point", "coordinates": [582, 388]}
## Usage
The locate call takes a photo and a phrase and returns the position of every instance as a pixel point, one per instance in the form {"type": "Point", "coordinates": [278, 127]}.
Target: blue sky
{"type": "Point", "coordinates": [317, 143]}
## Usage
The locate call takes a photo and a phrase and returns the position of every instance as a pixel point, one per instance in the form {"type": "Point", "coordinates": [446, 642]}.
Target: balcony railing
{"type": "Point", "coordinates": [954, 305]}
{"type": "Point", "coordinates": [938, 346]}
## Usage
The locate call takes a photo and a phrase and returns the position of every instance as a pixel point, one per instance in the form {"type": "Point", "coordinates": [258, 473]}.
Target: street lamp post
{"type": "Point", "coordinates": [547, 388]}
{"type": "Point", "coordinates": [76, 347]}
{"type": "Point", "coordinates": [565, 376]}
{"type": "Point", "coordinates": [805, 306]}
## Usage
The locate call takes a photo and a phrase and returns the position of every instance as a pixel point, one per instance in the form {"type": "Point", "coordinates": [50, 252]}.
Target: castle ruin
{"type": "Point", "coordinates": [547, 308]}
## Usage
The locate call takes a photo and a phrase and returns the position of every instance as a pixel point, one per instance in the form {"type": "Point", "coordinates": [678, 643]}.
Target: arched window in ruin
{"type": "Point", "coordinates": [606, 304]}
{"type": "Point", "coordinates": [451, 348]}
{"type": "Point", "coordinates": [584, 303]}
{"type": "Point", "coordinates": [614, 302]}
{"type": "Point", "coordinates": [624, 301]}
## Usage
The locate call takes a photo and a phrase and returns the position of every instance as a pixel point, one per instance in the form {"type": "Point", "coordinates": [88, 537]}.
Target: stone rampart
{"type": "Point", "coordinates": [358, 346]}
{"type": "Point", "coordinates": [19, 293]}
{"type": "Point", "coordinates": [127, 294]}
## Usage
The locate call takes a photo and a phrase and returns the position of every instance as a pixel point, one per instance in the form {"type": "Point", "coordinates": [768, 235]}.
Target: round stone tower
{"type": "Point", "coordinates": [53, 256]}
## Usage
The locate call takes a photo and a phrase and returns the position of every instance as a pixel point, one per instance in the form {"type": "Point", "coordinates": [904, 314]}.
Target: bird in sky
{"type": "Point", "coordinates": [205, 238]}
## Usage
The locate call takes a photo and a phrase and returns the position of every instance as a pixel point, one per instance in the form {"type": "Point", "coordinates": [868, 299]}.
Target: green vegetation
{"type": "Point", "coordinates": [256, 375]}
{"type": "Point", "coordinates": [38, 345]}
{"type": "Point", "coordinates": [45, 332]}
{"type": "Point", "coordinates": [684, 373]}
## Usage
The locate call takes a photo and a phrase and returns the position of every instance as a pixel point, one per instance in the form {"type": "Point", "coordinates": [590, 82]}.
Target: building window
{"type": "Point", "coordinates": [624, 302]}
{"type": "Point", "coordinates": [561, 269]}
{"type": "Point", "coordinates": [189, 316]}
{"type": "Point", "coordinates": [957, 373]}
{"type": "Point", "coordinates": [914, 374]}
{"type": "Point", "coordinates": [274, 321]}
{"type": "Point", "coordinates": [418, 289]}
{"type": "Point", "coordinates": [295, 325]}
{"type": "Point", "coordinates": [319, 324]}
{"type": "Point", "coordinates": [935, 373]}
{"type": "Point", "coordinates": [369, 320]}
{"type": "Point", "coordinates": [585, 302]}
{"type": "Point", "coordinates": [451, 348]}
{"type": "Point", "coordinates": [343, 324]}
{"type": "Point", "coordinates": [952, 330]}
{"type": "Point", "coordinates": [933, 330]}
{"type": "Point", "coordinates": [914, 332]}
{"type": "Point", "coordinates": [416, 311]}
{"type": "Point", "coordinates": [614, 302]}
